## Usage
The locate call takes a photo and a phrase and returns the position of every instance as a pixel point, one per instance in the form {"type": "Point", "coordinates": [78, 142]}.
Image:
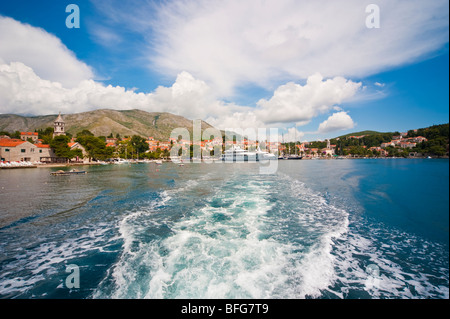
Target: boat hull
{"type": "Point", "coordinates": [68, 173]}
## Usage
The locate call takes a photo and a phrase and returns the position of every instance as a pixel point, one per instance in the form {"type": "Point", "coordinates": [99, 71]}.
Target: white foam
{"type": "Point", "coordinates": [296, 247]}
{"type": "Point", "coordinates": [398, 277]}
{"type": "Point", "coordinates": [239, 256]}
{"type": "Point", "coordinates": [32, 266]}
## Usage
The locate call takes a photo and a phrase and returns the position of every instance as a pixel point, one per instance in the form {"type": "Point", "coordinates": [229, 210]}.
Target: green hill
{"type": "Point", "coordinates": [361, 133]}
{"type": "Point", "coordinates": [104, 122]}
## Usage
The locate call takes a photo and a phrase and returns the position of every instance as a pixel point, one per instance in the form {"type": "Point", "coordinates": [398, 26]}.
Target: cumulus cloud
{"type": "Point", "coordinates": [233, 43]}
{"type": "Point", "coordinates": [336, 122]}
{"type": "Point", "coordinates": [292, 135]}
{"type": "Point", "coordinates": [42, 51]}
{"type": "Point", "coordinates": [23, 91]}
{"type": "Point", "coordinates": [294, 102]}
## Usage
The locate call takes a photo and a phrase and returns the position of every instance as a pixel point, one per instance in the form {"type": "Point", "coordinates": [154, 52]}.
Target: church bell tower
{"type": "Point", "coordinates": [59, 126]}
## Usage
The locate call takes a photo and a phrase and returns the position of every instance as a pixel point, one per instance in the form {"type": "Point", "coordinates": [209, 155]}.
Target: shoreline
{"type": "Point", "coordinates": [57, 165]}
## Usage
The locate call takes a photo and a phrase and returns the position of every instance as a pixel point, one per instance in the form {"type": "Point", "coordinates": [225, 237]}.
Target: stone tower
{"type": "Point", "coordinates": [59, 126]}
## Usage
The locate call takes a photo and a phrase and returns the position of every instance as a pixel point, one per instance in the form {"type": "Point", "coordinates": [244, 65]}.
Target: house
{"type": "Point", "coordinates": [24, 136]}
{"type": "Point", "coordinates": [314, 151]}
{"type": "Point", "coordinates": [17, 150]}
{"type": "Point", "coordinates": [407, 145]}
{"type": "Point", "coordinates": [44, 150]}
{"type": "Point", "coordinates": [78, 146]}
{"type": "Point", "coordinates": [418, 139]}
{"type": "Point", "coordinates": [378, 149]}
{"type": "Point", "coordinates": [327, 152]}
{"type": "Point", "coordinates": [111, 140]}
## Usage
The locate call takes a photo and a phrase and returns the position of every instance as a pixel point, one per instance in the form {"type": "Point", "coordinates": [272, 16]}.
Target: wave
{"type": "Point", "coordinates": [234, 246]}
{"type": "Point", "coordinates": [239, 237]}
{"type": "Point", "coordinates": [407, 266]}
{"type": "Point", "coordinates": [39, 270]}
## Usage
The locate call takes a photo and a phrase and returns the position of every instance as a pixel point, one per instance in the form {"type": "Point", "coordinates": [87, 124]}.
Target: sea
{"type": "Point", "coordinates": [312, 229]}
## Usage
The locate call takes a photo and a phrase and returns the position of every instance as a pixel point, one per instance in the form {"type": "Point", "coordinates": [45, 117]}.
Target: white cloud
{"type": "Point", "coordinates": [24, 92]}
{"type": "Point", "coordinates": [292, 135]}
{"type": "Point", "coordinates": [105, 36]}
{"type": "Point", "coordinates": [336, 122]}
{"type": "Point", "coordinates": [294, 102]}
{"type": "Point", "coordinates": [233, 43]}
{"type": "Point", "coordinates": [42, 51]}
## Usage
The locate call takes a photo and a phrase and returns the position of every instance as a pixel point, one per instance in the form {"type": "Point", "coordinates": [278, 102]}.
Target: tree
{"type": "Point", "coordinates": [16, 134]}
{"type": "Point", "coordinates": [61, 148]}
{"type": "Point", "coordinates": [139, 144]}
{"type": "Point", "coordinates": [85, 133]}
{"type": "Point", "coordinates": [95, 147]}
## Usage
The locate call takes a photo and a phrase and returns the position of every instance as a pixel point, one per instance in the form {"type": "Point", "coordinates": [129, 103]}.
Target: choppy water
{"type": "Point", "coordinates": [314, 229]}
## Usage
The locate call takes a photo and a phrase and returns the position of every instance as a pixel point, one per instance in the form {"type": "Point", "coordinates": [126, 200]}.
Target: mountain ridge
{"type": "Point", "coordinates": [104, 122]}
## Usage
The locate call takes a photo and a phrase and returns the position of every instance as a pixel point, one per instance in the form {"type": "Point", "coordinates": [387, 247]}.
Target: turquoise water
{"type": "Point", "coordinates": [314, 229]}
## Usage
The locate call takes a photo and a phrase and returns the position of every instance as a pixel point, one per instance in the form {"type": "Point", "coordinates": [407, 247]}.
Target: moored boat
{"type": "Point", "coordinates": [71, 172]}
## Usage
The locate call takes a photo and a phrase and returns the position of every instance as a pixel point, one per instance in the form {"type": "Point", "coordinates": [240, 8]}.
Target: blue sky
{"type": "Point", "coordinates": [311, 65]}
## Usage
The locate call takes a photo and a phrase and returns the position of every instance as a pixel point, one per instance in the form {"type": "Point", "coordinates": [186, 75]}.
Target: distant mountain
{"type": "Point", "coordinates": [104, 122]}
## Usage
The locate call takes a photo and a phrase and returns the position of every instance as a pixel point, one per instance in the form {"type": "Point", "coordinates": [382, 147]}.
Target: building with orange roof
{"type": "Point", "coordinates": [78, 146]}
{"type": "Point", "coordinates": [17, 150]}
{"type": "Point", "coordinates": [24, 136]}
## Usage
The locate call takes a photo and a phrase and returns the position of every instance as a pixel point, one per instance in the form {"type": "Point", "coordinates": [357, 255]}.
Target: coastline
{"type": "Point", "coordinates": [58, 165]}
{"type": "Point", "coordinates": [50, 165]}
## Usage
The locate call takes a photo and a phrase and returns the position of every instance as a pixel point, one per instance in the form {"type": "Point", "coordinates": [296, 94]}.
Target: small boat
{"type": "Point", "coordinates": [72, 172]}
{"type": "Point", "coordinates": [121, 161]}
{"type": "Point", "coordinates": [158, 162]}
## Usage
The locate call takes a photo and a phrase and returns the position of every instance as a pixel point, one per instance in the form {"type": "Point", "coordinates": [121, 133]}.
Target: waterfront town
{"type": "Point", "coordinates": [30, 150]}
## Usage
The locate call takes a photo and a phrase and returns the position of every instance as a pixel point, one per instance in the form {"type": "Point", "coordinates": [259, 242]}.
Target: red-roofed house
{"type": "Point", "coordinates": [24, 136]}
{"type": "Point", "coordinates": [15, 150]}
{"type": "Point", "coordinates": [78, 146]}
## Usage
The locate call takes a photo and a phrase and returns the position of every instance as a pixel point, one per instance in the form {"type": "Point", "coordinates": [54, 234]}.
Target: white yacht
{"type": "Point", "coordinates": [237, 154]}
